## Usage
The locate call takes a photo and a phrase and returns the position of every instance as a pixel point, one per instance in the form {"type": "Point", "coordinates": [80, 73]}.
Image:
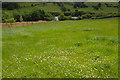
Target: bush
{"type": "Point", "coordinates": [16, 16]}
{"type": "Point", "coordinates": [48, 18]}
{"type": "Point", "coordinates": [55, 13]}
{"type": "Point", "coordinates": [5, 16]}
{"type": "Point", "coordinates": [68, 17]}
{"type": "Point", "coordinates": [62, 17]}
{"type": "Point", "coordinates": [10, 5]}
{"type": "Point", "coordinates": [37, 15]}
{"type": "Point", "coordinates": [63, 9]}
{"type": "Point", "coordinates": [47, 15]}
{"type": "Point", "coordinates": [86, 16]}
{"type": "Point", "coordinates": [67, 13]}
{"type": "Point", "coordinates": [11, 20]}
{"type": "Point", "coordinates": [80, 17]}
{"type": "Point", "coordinates": [32, 5]}
{"type": "Point", "coordinates": [95, 7]}
{"type": "Point", "coordinates": [27, 17]}
{"type": "Point", "coordinates": [21, 19]}
{"type": "Point", "coordinates": [77, 13]}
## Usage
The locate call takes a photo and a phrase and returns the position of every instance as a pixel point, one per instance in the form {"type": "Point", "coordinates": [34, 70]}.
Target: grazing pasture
{"type": "Point", "coordinates": [64, 49]}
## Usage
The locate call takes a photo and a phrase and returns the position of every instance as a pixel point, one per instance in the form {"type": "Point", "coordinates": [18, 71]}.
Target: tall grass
{"type": "Point", "coordinates": [64, 49]}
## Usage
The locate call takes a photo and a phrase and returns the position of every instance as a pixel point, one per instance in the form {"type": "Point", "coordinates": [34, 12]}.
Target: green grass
{"type": "Point", "coordinates": [50, 7]}
{"type": "Point", "coordinates": [64, 49]}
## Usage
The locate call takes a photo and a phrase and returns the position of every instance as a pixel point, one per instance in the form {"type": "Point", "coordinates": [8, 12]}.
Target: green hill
{"type": "Point", "coordinates": [62, 7]}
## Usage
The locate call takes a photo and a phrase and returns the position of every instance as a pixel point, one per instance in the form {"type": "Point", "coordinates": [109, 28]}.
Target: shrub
{"type": "Point", "coordinates": [10, 5]}
{"type": "Point", "coordinates": [32, 5]}
{"type": "Point", "coordinates": [62, 17]}
{"type": "Point", "coordinates": [95, 7]}
{"type": "Point", "coordinates": [68, 17]}
{"type": "Point", "coordinates": [67, 13]}
{"type": "Point", "coordinates": [48, 18]}
{"type": "Point", "coordinates": [63, 9]}
{"type": "Point", "coordinates": [11, 20]}
{"type": "Point", "coordinates": [21, 19]}
{"type": "Point", "coordinates": [37, 15]}
{"type": "Point", "coordinates": [79, 5]}
{"type": "Point", "coordinates": [77, 13]}
{"type": "Point", "coordinates": [5, 16]}
{"type": "Point", "coordinates": [68, 9]}
{"type": "Point", "coordinates": [27, 17]}
{"type": "Point", "coordinates": [86, 16]}
{"type": "Point", "coordinates": [55, 13]}
{"type": "Point", "coordinates": [80, 17]}
{"type": "Point", "coordinates": [16, 16]}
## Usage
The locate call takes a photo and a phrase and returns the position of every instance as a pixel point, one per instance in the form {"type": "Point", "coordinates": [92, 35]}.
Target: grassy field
{"type": "Point", "coordinates": [64, 49]}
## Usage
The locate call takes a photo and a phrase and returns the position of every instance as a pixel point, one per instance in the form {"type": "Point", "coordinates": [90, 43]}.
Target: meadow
{"type": "Point", "coordinates": [62, 49]}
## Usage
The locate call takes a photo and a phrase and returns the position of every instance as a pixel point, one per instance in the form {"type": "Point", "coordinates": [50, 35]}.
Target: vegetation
{"type": "Point", "coordinates": [21, 19]}
{"type": "Point", "coordinates": [10, 6]}
{"type": "Point", "coordinates": [64, 49]}
{"type": "Point", "coordinates": [29, 10]}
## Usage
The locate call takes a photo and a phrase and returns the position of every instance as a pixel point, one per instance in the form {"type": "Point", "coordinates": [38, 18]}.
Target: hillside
{"type": "Point", "coordinates": [60, 7]}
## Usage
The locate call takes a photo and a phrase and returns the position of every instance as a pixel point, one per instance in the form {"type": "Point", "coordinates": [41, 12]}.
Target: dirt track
{"type": "Point", "coordinates": [22, 23]}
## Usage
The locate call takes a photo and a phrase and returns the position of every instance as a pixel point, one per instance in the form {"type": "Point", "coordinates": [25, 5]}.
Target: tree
{"type": "Point", "coordinates": [5, 16]}
{"type": "Point", "coordinates": [16, 16]}
{"type": "Point", "coordinates": [95, 7]}
{"type": "Point", "coordinates": [11, 20]}
{"type": "Point", "coordinates": [67, 13]}
{"type": "Point", "coordinates": [79, 5]}
{"type": "Point", "coordinates": [76, 10]}
{"type": "Point", "coordinates": [10, 5]}
{"type": "Point", "coordinates": [99, 5]}
{"type": "Point", "coordinates": [62, 17]}
{"type": "Point", "coordinates": [32, 5]}
{"type": "Point", "coordinates": [80, 17]}
{"type": "Point", "coordinates": [63, 9]}
{"type": "Point", "coordinates": [68, 9]}
{"type": "Point", "coordinates": [21, 19]}
{"type": "Point", "coordinates": [44, 4]}
{"type": "Point", "coordinates": [75, 6]}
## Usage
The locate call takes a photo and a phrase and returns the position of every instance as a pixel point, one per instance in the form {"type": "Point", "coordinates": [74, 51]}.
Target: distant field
{"type": "Point", "coordinates": [64, 49]}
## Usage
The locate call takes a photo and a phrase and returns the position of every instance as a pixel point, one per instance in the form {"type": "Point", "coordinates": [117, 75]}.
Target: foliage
{"type": "Point", "coordinates": [10, 5]}
{"type": "Point", "coordinates": [21, 19]}
{"type": "Point", "coordinates": [11, 20]}
{"type": "Point", "coordinates": [5, 16]}
{"type": "Point", "coordinates": [61, 17]}
{"type": "Point", "coordinates": [95, 7]}
{"type": "Point", "coordinates": [55, 10]}
{"type": "Point", "coordinates": [80, 17]}
{"type": "Point", "coordinates": [68, 17]}
{"type": "Point", "coordinates": [67, 13]}
{"type": "Point", "coordinates": [17, 15]}
{"type": "Point", "coordinates": [48, 17]}
{"type": "Point", "coordinates": [79, 5]}
{"type": "Point", "coordinates": [77, 13]}
{"type": "Point", "coordinates": [99, 5]}
{"type": "Point", "coordinates": [55, 13]}
{"type": "Point", "coordinates": [63, 9]}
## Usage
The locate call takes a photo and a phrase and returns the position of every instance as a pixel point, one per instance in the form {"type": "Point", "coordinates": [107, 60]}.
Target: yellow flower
{"type": "Point", "coordinates": [101, 70]}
